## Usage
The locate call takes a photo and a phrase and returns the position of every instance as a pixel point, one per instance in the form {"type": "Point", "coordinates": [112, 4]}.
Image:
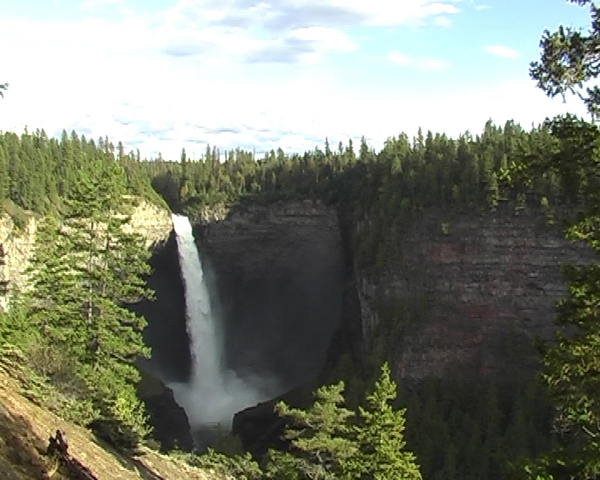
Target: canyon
{"type": "Point", "coordinates": [284, 280]}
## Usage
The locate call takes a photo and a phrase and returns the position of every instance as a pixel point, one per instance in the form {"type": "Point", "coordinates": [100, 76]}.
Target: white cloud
{"type": "Point", "coordinates": [454, 113]}
{"type": "Point", "coordinates": [480, 8]}
{"type": "Point", "coordinates": [442, 21]}
{"type": "Point", "coordinates": [302, 44]}
{"type": "Point", "coordinates": [94, 4]}
{"type": "Point", "coordinates": [329, 38]}
{"type": "Point", "coordinates": [385, 13]}
{"type": "Point", "coordinates": [399, 58]}
{"type": "Point", "coordinates": [284, 14]}
{"type": "Point", "coordinates": [501, 51]}
{"type": "Point", "coordinates": [252, 77]}
{"type": "Point", "coordinates": [432, 64]}
{"type": "Point", "coordinates": [426, 64]}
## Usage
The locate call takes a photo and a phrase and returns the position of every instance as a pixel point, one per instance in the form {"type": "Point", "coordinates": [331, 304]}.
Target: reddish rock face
{"type": "Point", "coordinates": [489, 284]}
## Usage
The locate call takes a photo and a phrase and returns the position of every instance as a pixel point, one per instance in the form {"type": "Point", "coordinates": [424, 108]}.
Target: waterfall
{"type": "Point", "coordinates": [213, 394]}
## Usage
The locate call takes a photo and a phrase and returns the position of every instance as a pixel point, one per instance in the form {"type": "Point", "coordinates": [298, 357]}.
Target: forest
{"type": "Point", "coordinates": [78, 341]}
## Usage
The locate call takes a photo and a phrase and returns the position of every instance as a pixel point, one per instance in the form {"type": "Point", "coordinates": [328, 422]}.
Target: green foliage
{"type": "Point", "coordinates": [64, 398]}
{"type": "Point", "coordinates": [319, 438]}
{"type": "Point", "coordinates": [84, 273]}
{"type": "Point", "coordinates": [328, 441]}
{"type": "Point", "coordinates": [88, 337]}
{"type": "Point", "coordinates": [569, 60]}
{"type": "Point", "coordinates": [38, 173]}
{"type": "Point", "coordinates": [403, 177]}
{"type": "Point", "coordinates": [122, 418]}
{"type": "Point", "coordinates": [15, 327]}
{"type": "Point", "coordinates": [380, 436]}
{"type": "Point", "coordinates": [470, 429]}
{"type": "Point", "coordinates": [571, 371]}
{"type": "Point", "coordinates": [19, 216]}
{"type": "Point", "coordinates": [571, 367]}
{"type": "Point", "coordinates": [240, 467]}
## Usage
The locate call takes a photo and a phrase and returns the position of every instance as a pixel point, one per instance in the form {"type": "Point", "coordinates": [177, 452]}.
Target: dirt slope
{"type": "Point", "coordinates": [24, 432]}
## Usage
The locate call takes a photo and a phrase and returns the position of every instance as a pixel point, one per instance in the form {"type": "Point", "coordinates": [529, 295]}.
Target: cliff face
{"type": "Point", "coordinates": [468, 292]}
{"type": "Point", "coordinates": [16, 245]}
{"type": "Point", "coordinates": [277, 274]}
{"type": "Point", "coordinates": [485, 287]}
{"type": "Point", "coordinates": [151, 222]}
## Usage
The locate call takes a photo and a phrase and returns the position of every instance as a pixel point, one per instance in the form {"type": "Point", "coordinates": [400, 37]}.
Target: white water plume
{"type": "Point", "coordinates": [213, 394]}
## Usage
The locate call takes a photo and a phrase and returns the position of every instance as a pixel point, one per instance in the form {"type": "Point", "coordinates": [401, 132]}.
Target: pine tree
{"type": "Point", "coordinates": [183, 183]}
{"type": "Point", "coordinates": [85, 272]}
{"type": "Point", "coordinates": [320, 447]}
{"type": "Point", "coordinates": [380, 436]}
{"type": "Point", "coordinates": [569, 59]}
{"type": "Point", "coordinates": [4, 178]}
{"type": "Point", "coordinates": [572, 365]}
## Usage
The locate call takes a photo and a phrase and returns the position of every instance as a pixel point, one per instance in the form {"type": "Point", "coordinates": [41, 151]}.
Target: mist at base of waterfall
{"type": "Point", "coordinates": [215, 405]}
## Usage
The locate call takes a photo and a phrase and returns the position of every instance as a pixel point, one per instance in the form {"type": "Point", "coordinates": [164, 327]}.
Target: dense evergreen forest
{"type": "Point", "coordinates": [382, 188]}
{"type": "Point", "coordinates": [79, 342]}
{"type": "Point", "coordinates": [38, 172]}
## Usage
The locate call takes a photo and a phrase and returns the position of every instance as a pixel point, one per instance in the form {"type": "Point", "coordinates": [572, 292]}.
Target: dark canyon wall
{"type": "Point", "coordinates": [166, 330]}
{"type": "Point", "coordinates": [278, 276]}
{"type": "Point", "coordinates": [485, 286]}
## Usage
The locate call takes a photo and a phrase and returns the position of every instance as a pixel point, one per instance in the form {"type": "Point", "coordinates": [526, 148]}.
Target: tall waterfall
{"type": "Point", "coordinates": [213, 394]}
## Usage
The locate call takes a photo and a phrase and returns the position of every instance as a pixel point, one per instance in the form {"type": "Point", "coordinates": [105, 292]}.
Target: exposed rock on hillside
{"type": "Point", "coordinates": [151, 222]}
{"type": "Point", "coordinates": [17, 244]}
{"type": "Point", "coordinates": [24, 432]}
{"type": "Point", "coordinates": [486, 286]}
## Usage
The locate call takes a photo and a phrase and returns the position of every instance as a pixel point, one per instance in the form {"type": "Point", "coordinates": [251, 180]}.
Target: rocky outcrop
{"type": "Point", "coordinates": [469, 292]}
{"type": "Point", "coordinates": [485, 284]}
{"type": "Point", "coordinates": [151, 222]}
{"type": "Point", "coordinates": [170, 423]}
{"type": "Point", "coordinates": [17, 244]}
{"type": "Point", "coordinates": [166, 332]}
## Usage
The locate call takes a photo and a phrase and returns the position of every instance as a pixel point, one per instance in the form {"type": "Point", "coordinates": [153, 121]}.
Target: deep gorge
{"type": "Point", "coordinates": [484, 285]}
{"type": "Point", "coordinates": [471, 292]}
{"type": "Point", "coordinates": [441, 257]}
{"type": "Point", "coordinates": [277, 277]}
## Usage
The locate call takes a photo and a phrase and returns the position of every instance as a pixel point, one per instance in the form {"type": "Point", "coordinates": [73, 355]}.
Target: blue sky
{"type": "Point", "coordinates": [160, 75]}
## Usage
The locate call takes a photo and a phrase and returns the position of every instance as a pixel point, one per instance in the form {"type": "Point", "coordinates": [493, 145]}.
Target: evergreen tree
{"type": "Point", "coordinates": [380, 436]}
{"type": "Point", "coordinates": [85, 271]}
{"type": "Point", "coordinates": [320, 447]}
{"type": "Point", "coordinates": [572, 365]}
{"type": "Point", "coordinates": [4, 178]}
{"type": "Point", "coordinates": [183, 186]}
{"type": "Point", "coordinates": [569, 59]}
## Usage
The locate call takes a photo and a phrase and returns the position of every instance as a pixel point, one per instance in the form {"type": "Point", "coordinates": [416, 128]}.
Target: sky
{"type": "Point", "coordinates": [162, 75]}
